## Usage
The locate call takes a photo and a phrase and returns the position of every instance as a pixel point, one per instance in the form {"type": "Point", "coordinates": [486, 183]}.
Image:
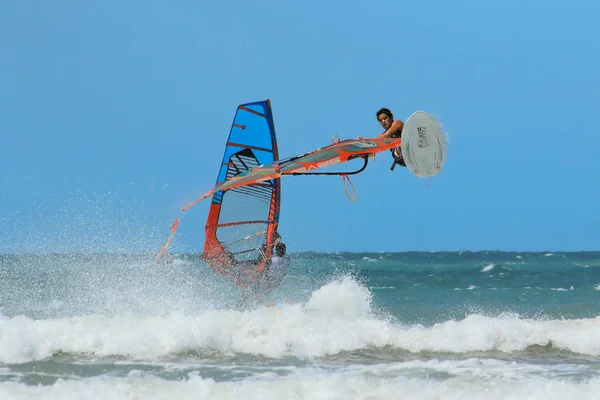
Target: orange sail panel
{"type": "Point", "coordinates": [242, 222]}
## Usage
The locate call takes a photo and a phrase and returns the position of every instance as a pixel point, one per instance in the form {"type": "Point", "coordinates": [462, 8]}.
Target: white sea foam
{"type": "Point", "coordinates": [470, 287]}
{"type": "Point", "coordinates": [468, 379]}
{"type": "Point", "coordinates": [562, 289]}
{"type": "Point", "coordinates": [337, 317]}
{"type": "Point", "coordinates": [488, 268]}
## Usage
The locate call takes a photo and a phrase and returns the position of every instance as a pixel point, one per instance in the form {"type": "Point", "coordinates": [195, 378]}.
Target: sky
{"type": "Point", "coordinates": [114, 115]}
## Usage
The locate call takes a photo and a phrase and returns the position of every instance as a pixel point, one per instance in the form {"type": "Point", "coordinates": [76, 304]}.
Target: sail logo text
{"type": "Point", "coordinates": [322, 164]}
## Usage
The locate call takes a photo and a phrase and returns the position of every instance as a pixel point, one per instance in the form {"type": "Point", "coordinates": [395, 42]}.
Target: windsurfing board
{"type": "Point", "coordinates": [423, 145]}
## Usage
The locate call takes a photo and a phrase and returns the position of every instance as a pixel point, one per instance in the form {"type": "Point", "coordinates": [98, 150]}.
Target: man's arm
{"type": "Point", "coordinates": [397, 125]}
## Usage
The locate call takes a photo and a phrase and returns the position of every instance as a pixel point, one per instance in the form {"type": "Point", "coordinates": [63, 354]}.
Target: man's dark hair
{"type": "Point", "coordinates": [280, 249]}
{"type": "Point", "coordinates": [386, 112]}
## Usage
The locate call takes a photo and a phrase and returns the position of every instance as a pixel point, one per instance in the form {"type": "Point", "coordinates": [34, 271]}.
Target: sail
{"type": "Point", "coordinates": [307, 163]}
{"type": "Point", "coordinates": [243, 220]}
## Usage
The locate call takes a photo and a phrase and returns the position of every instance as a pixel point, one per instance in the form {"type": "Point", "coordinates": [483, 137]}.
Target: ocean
{"type": "Point", "coordinates": [417, 325]}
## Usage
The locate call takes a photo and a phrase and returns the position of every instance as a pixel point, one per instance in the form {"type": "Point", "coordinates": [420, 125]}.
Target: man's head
{"type": "Point", "coordinates": [385, 118]}
{"type": "Point", "coordinates": [280, 249]}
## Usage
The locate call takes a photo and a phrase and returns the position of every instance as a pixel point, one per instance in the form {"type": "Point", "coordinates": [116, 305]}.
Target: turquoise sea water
{"type": "Point", "coordinates": [481, 325]}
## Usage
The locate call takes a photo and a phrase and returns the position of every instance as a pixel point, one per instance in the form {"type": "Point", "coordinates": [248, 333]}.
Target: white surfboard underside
{"type": "Point", "coordinates": [423, 145]}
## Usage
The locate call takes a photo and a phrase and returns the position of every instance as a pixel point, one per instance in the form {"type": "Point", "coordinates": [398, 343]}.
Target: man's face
{"type": "Point", "coordinates": [385, 121]}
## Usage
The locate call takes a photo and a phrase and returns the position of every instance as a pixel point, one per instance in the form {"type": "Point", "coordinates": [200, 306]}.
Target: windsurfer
{"type": "Point", "coordinates": [277, 269]}
{"type": "Point", "coordinates": [393, 129]}
{"type": "Point", "coordinates": [273, 274]}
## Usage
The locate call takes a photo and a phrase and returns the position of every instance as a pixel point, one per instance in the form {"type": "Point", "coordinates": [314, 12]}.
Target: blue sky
{"type": "Point", "coordinates": [114, 116]}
